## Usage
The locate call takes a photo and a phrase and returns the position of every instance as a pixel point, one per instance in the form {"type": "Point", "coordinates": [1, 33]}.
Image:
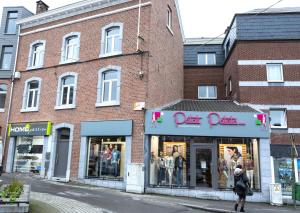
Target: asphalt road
{"type": "Point", "coordinates": [113, 200]}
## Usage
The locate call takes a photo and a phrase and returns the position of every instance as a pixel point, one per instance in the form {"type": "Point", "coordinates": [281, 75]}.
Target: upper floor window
{"type": "Point", "coordinates": [274, 73]}
{"type": "Point", "coordinates": [278, 118]}
{"type": "Point", "coordinates": [6, 57]}
{"type": "Point", "coordinates": [3, 92]}
{"type": "Point", "coordinates": [169, 18]}
{"type": "Point", "coordinates": [11, 22]}
{"type": "Point", "coordinates": [70, 48]}
{"type": "Point", "coordinates": [111, 41]}
{"type": "Point", "coordinates": [207, 92]}
{"type": "Point", "coordinates": [227, 47]}
{"type": "Point", "coordinates": [108, 86]}
{"type": "Point", "coordinates": [230, 85]}
{"type": "Point", "coordinates": [36, 54]}
{"type": "Point", "coordinates": [66, 94]}
{"type": "Point", "coordinates": [31, 95]}
{"type": "Point", "coordinates": [206, 59]}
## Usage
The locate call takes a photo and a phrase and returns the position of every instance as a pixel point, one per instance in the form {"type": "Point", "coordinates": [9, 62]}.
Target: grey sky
{"type": "Point", "coordinates": [200, 18]}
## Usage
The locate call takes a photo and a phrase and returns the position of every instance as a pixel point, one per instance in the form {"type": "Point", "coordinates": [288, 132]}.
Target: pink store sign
{"type": "Point", "coordinates": [213, 119]}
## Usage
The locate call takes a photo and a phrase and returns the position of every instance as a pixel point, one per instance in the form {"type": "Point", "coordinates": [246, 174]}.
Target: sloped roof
{"type": "Point", "coordinates": [275, 10]}
{"type": "Point", "coordinates": [196, 41]}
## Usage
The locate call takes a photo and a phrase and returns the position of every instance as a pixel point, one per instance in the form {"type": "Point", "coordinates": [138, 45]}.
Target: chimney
{"type": "Point", "coordinates": [41, 7]}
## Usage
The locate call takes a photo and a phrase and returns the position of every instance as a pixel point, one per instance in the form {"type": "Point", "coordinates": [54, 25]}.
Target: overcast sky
{"type": "Point", "coordinates": [201, 18]}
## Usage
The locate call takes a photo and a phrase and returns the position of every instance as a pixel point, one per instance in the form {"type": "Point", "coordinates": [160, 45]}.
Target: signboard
{"type": "Point", "coordinates": [30, 129]}
{"type": "Point", "coordinates": [222, 124]}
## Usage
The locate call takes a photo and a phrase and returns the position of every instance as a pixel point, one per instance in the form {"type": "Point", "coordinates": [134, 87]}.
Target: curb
{"type": "Point", "coordinates": [206, 208]}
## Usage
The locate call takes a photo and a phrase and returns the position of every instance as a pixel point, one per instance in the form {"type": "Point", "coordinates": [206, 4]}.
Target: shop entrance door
{"type": "Point", "coordinates": [202, 166]}
{"type": "Point", "coordinates": [62, 150]}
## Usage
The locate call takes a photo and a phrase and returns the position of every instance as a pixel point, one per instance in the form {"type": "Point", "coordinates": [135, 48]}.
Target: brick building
{"type": "Point", "coordinates": [257, 64]}
{"type": "Point", "coordinates": [88, 70]}
{"type": "Point", "coordinates": [8, 46]}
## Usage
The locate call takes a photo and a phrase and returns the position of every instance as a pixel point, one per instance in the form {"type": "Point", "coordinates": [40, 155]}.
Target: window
{"type": "Point", "coordinates": [31, 95]}
{"type": "Point", "coordinates": [169, 18]}
{"type": "Point", "coordinates": [274, 72]}
{"type": "Point", "coordinates": [66, 97]}
{"type": "Point", "coordinates": [3, 92]}
{"type": "Point", "coordinates": [70, 48]}
{"type": "Point", "coordinates": [11, 26]}
{"type": "Point", "coordinates": [278, 118]}
{"type": "Point", "coordinates": [109, 86]}
{"type": "Point", "coordinates": [111, 41]}
{"type": "Point", "coordinates": [6, 57]}
{"type": "Point", "coordinates": [206, 59]}
{"type": "Point", "coordinates": [230, 85]}
{"type": "Point", "coordinates": [36, 55]}
{"type": "Point", "coordinates": [227, 47]}
{"type": "Point", "coordinates": [207, 92]}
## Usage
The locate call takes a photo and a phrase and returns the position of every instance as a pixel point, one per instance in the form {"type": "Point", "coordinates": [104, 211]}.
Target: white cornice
{"type": "Point", "coordinates": [67, 11]}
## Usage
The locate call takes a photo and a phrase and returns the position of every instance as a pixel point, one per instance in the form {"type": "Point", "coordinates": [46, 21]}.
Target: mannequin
{"type": "Point", "coordinates": [179, 161]}
{"type": "Point", "coordinates": [115, 160]}
{"type": "Point", "coordinates": [249, 165]}
{"type": "Point", "coordinates": [161, 162]}
{"type": "Point", "coordinates": [223, 169]}
{"type": "Point", "coordinates": [106, 157]}
{"type": "Point", "coordinates": [153, 170]}
{"type": "Point", "coordinates": [170, 167]}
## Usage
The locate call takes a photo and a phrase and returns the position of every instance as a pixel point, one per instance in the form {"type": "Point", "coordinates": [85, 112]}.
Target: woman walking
{"type": "Point", "coordinates": [241, 184]}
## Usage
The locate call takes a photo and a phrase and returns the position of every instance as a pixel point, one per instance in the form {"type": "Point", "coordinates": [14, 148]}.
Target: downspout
{"type": "Point", "coordinates": [138, 28]}
{"type": "Point", "coordinates": [11, 95]}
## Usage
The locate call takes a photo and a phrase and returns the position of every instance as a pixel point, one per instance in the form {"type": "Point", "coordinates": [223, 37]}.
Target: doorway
{"type": "Point", "coordinates": [62, 150]}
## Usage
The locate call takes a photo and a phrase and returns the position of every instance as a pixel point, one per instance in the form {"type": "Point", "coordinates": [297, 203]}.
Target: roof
{"type": "Point", "coordinates": [274, 10]}
{"type": "Point", "coordinates": [202, 40]}
{"type": "Point", "coordinates": [209, 106]}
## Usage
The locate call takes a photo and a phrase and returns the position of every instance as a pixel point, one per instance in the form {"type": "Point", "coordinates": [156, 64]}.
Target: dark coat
{"type": "Point", "coordinates": [245, 179]}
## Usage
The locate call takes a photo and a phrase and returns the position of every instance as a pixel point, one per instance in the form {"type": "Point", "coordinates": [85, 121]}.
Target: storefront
{"type": "Point", "coordinates": [27, 147]}
{"type": "Point", "coordinates": [105, 152]}
{"type": "Point", "coordinates": [194, 153]}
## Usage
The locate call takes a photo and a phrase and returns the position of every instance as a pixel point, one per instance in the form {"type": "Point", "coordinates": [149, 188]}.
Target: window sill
{"type": "Point", "coordinates": [2, 110]}
{"type": "Point", "coordinates": [34, 68]}
{"type": "Point", "coordinates": [110, 55]}
{"type": "Point", "coordinates": [69, 61]}
{"type": "Point", "coordinates": [207, 98]}
{"type": "Point", "coordinates": [5, 70]}
{"type": "Point", "coordinates": [170, 30]}
{"type": "Point", "coordinates": [107, 104]}
{"type": "Point", "coordinates": [30, 110]}
{"type": "Point", "coordinates": [279, 127]}
{"type": "Point", "coordinates": [65, 107]}
{"type": "Point", "coordinates": [275, 81]}
{"type": "Point", "coordinates": [10, 34]}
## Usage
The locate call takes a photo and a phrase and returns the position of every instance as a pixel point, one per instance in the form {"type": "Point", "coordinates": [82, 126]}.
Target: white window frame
{"type": "Point", "coordinates": [284, 126]}
{"type": "Point", "coordinates": [169, 19]}
{"type": "Point", "coordinates": [100, 102]}
{"type": "Point", "coordinates": [26, 91]}
{"type": "Point", "coordinates": [4, 92]}
{"type": "Point", "coordinates": [230, 85]}
{"type": "Point", "coordinates": [281, 70]}
{"type": "Point", "coordinates": [206, 87]}
{"type": "Point", "coordinates": [104, 39]}
{"type": "Point", "coordinates": [206, 58]}
{"type": "Point", "coordinates": [63, 58]}
{"type": "Point", "coordinates": [31, 53]}
{"type": "Point", "coordinates": [59, 92]}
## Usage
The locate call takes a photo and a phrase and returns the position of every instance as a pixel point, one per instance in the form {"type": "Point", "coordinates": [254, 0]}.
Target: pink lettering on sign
{"type": "Point", "coordinates": [216, 119]}
{"type": "Point", "coordinates": [181, 118]}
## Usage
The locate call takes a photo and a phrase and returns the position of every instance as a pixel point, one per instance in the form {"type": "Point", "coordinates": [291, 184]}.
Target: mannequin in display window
{"type": "Point", "coordinates": [223, 166]}
{"type": "Point", "coordinates": [115, 160]}
{"type": "Point", "coordinates": [170, 167]}
{"type": "Point", "coordinates": [161, 162]}
{"type": "Point", "coordinates": [249, 165]}
{"type": "Point", "coordinates": [179, 162]}
{"type": "Point", "coordinates": [105, 160]}
{"type": "Point", "coordinates": [153, 170]}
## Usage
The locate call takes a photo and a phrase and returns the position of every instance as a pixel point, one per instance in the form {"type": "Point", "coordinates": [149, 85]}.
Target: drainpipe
{"type": "Point", "coordinates": [11, 95]}
{"type": "Point", "coordinates": [138, 28]}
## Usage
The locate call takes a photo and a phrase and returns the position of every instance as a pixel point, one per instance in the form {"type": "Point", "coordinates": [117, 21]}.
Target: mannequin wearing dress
{"type": "Point", "coordinates": [170, 167]}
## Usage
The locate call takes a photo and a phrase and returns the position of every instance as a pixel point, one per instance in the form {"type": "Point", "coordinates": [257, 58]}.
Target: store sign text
{"type": "Point", "coordinates": [181, 118]}
{"type": "Point", "coordinates": [216, 119]}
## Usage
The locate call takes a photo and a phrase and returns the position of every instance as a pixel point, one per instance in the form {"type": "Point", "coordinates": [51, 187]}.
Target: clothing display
{"type": "Point", "coordinates": [179, 161]}
{"type": "Point", "coordinates": [249, 166]}
{"type": "Point", "coordinates": [115, 160]}
{"type": "Point", "coordinates": [162, 170]}
{"type": "Point", "coordinates": [170, 168]}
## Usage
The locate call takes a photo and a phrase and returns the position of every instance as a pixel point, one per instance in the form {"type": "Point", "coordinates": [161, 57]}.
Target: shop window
{"type": "Point", "coordinates": [6, 57]}
{"type": "Point", "coordinates": [3, 93]}
{"type": "Point", "coordinates": [207, 92]}
{"type": "Point", "coordinates": [11, 22]}
{"type": "Point", "coordinates": [70, 48]}
{"type": "Point", "coordinates": [284, 174]}
{"type": "Point", "coordinates": [66, 94]}
{"type": "Point", "coordinates": [28, 154]}
{"type": "Point", "coordinates": [108, 93]}
{"type": "Point", "coordinates": [233, 152]}
{"type": "Point", "coordinates": [36, 55]}
{"type": "Point", "coordinates": [111, 40]}
{"type": "Point", "coordinates": [274, 73]}
{"type": "Point", "coordinates": [106, 157]}
{"type": "Point", "coordinates": [206, 58]}
{"type": "Point", "coordinates": [278, 118]}
{"type": "Point", "coordinates": [31, 95]}
{"type": "Point", "coordinates": [168, 161]}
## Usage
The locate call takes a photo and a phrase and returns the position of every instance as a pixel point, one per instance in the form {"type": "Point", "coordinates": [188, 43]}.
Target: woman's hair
{"type": "Point", "coordinates": [235, 150]}
{"type": "Point", "coordinates": [174, 149]}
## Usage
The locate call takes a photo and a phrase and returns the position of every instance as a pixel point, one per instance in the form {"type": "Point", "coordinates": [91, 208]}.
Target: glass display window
{"type": "Point", "coordinates": [106, 157]}
{"type": "Point", "coordinates": [29, 154]}
{"type": "Point", "coordinates": [283, 174]}
{"type": "Point", "coordinates": [233, 152]}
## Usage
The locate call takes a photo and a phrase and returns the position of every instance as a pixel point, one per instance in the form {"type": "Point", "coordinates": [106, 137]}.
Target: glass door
{"type": "Point", "coordinates": [203, 167]}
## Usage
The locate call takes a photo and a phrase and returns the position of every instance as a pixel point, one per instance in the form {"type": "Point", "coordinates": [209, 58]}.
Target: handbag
{"type": "Point", "coordinates": [240, 184]}
{"type": "Point", "coordinates": [249, 192]}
